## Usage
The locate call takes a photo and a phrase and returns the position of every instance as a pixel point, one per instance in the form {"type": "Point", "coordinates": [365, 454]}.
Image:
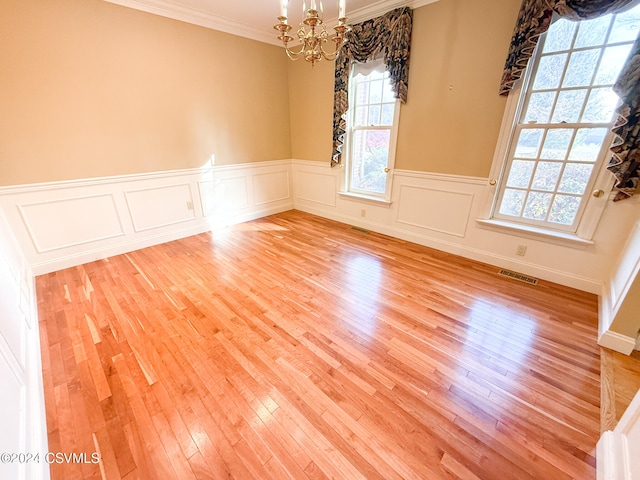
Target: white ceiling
{"type": "Point", "coordinates": [255, 18]}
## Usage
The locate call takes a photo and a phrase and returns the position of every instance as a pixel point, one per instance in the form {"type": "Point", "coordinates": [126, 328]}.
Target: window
{"type": "Point", "coordinates": [371, 131]}
{"type": "Point", "coordinates": [561, 135]}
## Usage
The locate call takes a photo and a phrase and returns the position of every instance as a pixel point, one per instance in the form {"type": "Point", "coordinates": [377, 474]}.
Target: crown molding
{"type": "Point", "coordinates": [200, 18]}
{"type": "Point", "coordinates": [381, 7]}
{"type": "Point", "coordinates": [205, 19]}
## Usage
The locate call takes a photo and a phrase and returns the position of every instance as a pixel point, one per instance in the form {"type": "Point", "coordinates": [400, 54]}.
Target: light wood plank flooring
{"type": "Point", "coordinates": [619, 381]}
{"type": "Point", "coordinates": [296, 347]}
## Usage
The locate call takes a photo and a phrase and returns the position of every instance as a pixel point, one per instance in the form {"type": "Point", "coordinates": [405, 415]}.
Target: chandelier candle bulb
{"type": "Point", "coordinates": [283, 8]}
{"type": "Point", "coordinates": [341, 8]}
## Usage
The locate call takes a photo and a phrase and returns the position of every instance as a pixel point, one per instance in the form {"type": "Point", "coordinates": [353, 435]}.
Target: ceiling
{"type": "Point", "coordinates": [255, 18]}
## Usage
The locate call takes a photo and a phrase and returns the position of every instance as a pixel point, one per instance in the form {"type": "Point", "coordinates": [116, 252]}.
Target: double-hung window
{"type": "Point", "coordinates": [561, 135]}
{"type": "Point", "coordinates": [372, 122]}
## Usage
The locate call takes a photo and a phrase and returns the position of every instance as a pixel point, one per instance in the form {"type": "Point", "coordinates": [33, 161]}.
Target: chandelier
{"type": "Point", "coordinates": [312, 33]}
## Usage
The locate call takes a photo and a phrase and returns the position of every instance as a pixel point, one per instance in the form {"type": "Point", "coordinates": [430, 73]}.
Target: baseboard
{"type": "Point", "coordinates": [555, 276]}
{"type": "Point", "coordinates": [204, 225]}
{"type": "Point", "coordinates": [615, 341]}
{"type": "Point", "coordinates": [80, 258]}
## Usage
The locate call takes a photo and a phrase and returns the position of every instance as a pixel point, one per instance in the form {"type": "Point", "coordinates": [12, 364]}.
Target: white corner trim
{"type": "Point", "coordinates": [611, 457]}
{"type": "Point", "coordinates": [616, 341]}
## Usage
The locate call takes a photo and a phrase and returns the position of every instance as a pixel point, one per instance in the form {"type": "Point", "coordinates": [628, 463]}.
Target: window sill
{"type": "Point", "coordinates": [561, 238]}
{"type": "Point", "coordinates": [381, 202]}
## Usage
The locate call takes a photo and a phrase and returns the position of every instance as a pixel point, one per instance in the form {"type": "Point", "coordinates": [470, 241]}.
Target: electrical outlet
{"type": "Point", "coordinates": [521, 250]}
{"type": "Point", "coordinates": [363, 212]}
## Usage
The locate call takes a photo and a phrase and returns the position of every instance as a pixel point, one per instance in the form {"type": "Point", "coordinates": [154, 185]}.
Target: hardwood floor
{"type": "Point", "coordinates": [296, 347]}
{"type": "Point", "coordinates": [619, 383]}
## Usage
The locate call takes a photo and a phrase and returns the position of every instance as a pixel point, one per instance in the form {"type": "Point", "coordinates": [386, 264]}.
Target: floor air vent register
{"type": "Point", "coordinates": [518, 276]}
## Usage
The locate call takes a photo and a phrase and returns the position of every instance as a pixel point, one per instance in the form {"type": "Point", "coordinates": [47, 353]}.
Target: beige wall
{"type": "Point", "coordinates": [627, 319]}
{"type": "Point", "coordinates": [451, 120]}
{"type": "Point", "coordinates": [90, 89]}
{"type": "Point", "coordinates": [311, 103]}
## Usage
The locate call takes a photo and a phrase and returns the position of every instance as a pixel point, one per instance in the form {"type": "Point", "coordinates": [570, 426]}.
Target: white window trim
{"type": "Point", "coordinates": [345, 189]}
{"type": "Point", "coordinates": [594, 207]}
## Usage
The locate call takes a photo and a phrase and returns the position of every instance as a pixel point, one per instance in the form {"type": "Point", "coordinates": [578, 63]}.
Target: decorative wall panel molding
{"type": "Point", "coordinates": [270, 187]}
{"type": "Point", "coordinates": [62, 224]}
{"type": "Point", "coordinates": [59, 224]}
{"type": "Point", "coordinates": [157, 207]}
{"type": "Point", "coordinates": [316, 187]}
{"type": "Point", "coordinates": [439, 210]}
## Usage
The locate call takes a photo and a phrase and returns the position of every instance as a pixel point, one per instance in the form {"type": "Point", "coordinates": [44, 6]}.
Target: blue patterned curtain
{"type": "Point", "coordinates": [625, 164]}
{"type": "Point", "coordinates": [388, 36]}
{"type": "Point", "coordinates": [534, 20]}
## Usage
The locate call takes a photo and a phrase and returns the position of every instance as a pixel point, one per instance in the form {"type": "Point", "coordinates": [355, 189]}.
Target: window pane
{"type": "Point", "coordinates": [626, 26]}
{"type": "Point", "coordinates": [600, 106]}
{"type": "Point", "coordinates": [369, 156]}
{"type": "Point", "coordinates": [569, 106]}
{"type": "Point", "coordinates": [575, 178]}
{"type": "Point", "coordinates": [387, 114]}
{"type": "Point", "coordinates": [520, 173]}
{"type": "Point", "coordinates": [549, 71]}
{"type": "Point", "coordinates": [361, 116]}
{"type": "Point", "coordinates": [546, 176]}
{"type": "Point", "coordinates": [556, 144]}
{"type": "Point", "coordinates": [559, 36]}
{"type": "Point", "coordinates": [375, 92]}
{"type": "Point", "coordinates": [512, 202]}
{"type": "Point", "coordinates": [529, 142]}
{"type": "Point", "coordinates": [581, 67]}
{"type": "Point", "coordinates": [387, 93]}
{"type": "Point", "coordinates": [564, 209]}
{"type": "Point", "coordinates": [612, 62]}
{"type": "Point", "coordinates": [362, 93]}
{"type": "Point", "coordinates": [537, 205]}
{"type": "Point", "coordinates": [587, 144]}
{"type": "Point", "coordinates": [374, 115]}
{"type": "Point", "coordinates": [592, 32]}
{"type": "Point", "coordinates": [539, 108]}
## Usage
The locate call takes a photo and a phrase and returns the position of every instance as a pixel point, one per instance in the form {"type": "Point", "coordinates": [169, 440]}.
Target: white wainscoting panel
{"type": "Point", "coordinates": [160, 206]}
{"type": "Point", "coordinates": [270, 187]}
{"type": "Point", "coordinates": [439, 210]}
{"type": "Point", "coordinates": [62, 224]}
{"type": "Point", "coordinates": [12, 416]}
{"type": "Point", "coordinates": [22, 417]}
{"type": "Point", "coordinates": [316, 187]}
{"type": "Point", "coordinates": [224, 195]}
{"type": "Point", "coordinates": [65, 223]}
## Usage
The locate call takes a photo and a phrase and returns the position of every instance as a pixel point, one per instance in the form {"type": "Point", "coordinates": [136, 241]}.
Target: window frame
{"type": "Point", "coordinates": [347, 188]}
{"type": "Point", "coordinates": [601, 179]}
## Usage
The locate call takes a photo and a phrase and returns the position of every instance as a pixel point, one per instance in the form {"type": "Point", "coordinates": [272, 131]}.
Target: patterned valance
{"type": "Point", "coordinates": [534, 20]}
{"type": "Point", "coordinates": [388, 36]}
{"type": "Point", "coordinates": [625, 164]}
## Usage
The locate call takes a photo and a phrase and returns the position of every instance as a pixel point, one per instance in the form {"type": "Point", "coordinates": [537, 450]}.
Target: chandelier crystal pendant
{"type": "Point", "coordinates": [312, 33]}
